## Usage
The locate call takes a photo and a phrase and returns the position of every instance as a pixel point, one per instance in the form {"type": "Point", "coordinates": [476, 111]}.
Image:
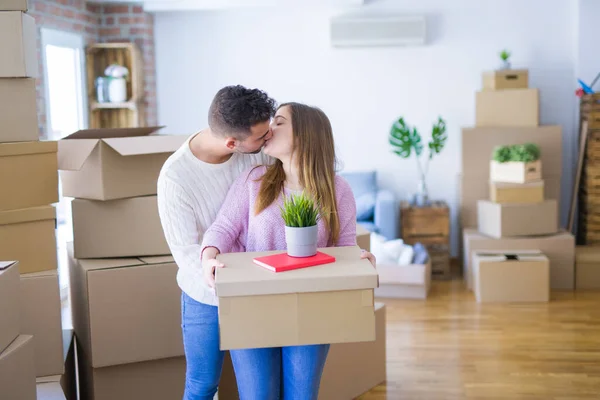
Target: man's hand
{"type": "Point", "coordinates": [365, 254]}
{"type": "Point", "coordinates": [210, 264]}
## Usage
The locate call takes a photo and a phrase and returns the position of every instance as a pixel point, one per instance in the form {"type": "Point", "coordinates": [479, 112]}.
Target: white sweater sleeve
{"type": "Point", "coordinates": [179, 225]}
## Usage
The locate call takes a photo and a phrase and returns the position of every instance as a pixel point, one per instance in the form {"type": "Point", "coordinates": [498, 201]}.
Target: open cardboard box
{"type": "Point", "coordinates": [330, 303]}
{"type": "Point", "coordinates": [411, 281]}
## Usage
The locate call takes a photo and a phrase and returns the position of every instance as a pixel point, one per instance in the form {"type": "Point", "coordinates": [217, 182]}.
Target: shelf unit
{"type": "Point", "coordinates": [128, 114]}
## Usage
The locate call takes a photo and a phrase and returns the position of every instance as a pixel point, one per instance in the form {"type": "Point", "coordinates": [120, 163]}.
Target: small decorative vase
{"type": "Point", "coordinates": [421, 198]}
{"type": "Point", "coordinates": [117, 90]}
{"type": "Point", "coordinates": [504, 65]}
{"type": "Point", "coordinates": [301, 242]}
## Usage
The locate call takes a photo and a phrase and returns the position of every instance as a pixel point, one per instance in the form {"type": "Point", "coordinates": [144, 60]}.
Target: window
{"type": "Point", "coordinates": [63, 61]}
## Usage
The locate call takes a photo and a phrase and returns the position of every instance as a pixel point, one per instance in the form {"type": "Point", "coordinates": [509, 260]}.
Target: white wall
{"type": "Point", "coordinates": [287, 53]}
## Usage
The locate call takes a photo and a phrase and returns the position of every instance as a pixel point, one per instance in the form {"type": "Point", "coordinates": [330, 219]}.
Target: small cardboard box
{"type": "Point", "coordinates": [515, 172]}
{"type": "Point", "coordinates": [363, 238]}
{"type": "Point", "coordinates": [141, 318]}
{"type": "Point", "coordinates": [41, 317]}
{"type": "Point", "coordinates": [14, 5]}
{"type": "Point", "coordinates": [28, 235]}
{"type": "Point", "coordinates": [30, 170]}
{"type": "Point", "coordinates": [517, 193]}
{"type": "Point", "coordinates": [117, 228]}
{"type": "Point", "coordinates": [148, 380]}
{"type": "Point", "coordinates": [18, 110]}
{"type": "Point", "coordinates": [503, 220]}
{"type": "Point", "coordinates": [509, 107]}
{"type": "Point", "coordinates": [404, 281]}
{"type": "Point", "coordinates": [587, 267]}
{"type": "Point", "coordinates": [18, 45]}
{"type": "Point", "coordinates": [505, 79]}
{"type": "Point", "coordinates": [331, 303]}
{"type": "Point", "coordinates": [511, 276]}
{"type": "Point", "coordinates": [10, 312]}
{"type": "Point", "coordinates": [352, 369]}
{"type": "Point", "coordinates": [108, 164]}
{"type": "Point", "coordinates": [559, 248]}
{"type": "Point", "coordinates": [17, 370]}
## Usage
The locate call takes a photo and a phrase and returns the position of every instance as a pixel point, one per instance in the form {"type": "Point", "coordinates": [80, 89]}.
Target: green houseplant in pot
{"type": "Point", "coordinates": [300, 214]}
{"type": "Point", "coordinates": [406, 140]}
{"type": "Point", "coordinates": [518, 163]}
{"type": "Point", "coordinates": [505, 59]}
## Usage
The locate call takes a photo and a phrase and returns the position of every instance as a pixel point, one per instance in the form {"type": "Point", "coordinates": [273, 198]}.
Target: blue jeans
{"type": "Point", "coordinates": [286, 373]}
{"type": "Point", "coordinates": [204, 359]}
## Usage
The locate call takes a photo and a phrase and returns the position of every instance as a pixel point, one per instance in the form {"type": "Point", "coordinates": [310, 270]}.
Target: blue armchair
{"type": "Point", "coordinates": [376, 209]}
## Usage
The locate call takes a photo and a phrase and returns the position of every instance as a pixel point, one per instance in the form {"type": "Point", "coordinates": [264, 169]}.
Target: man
{"type": "Point", "coordinates": [192, 185]}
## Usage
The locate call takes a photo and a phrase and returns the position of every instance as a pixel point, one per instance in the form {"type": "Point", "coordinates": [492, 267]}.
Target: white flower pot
{"type": "Point", "coordinates": [117, 90]}
{"type": "Point", "coordinates": [301, 242]}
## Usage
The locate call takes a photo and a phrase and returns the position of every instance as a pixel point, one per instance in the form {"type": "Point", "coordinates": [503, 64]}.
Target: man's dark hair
{"type": "Point", "coordinates": [235, 109]}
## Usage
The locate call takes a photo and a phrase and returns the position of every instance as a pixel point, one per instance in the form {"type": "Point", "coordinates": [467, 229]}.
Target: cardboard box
{"type": "Point", "coordinates": [18, 110]}
{"type": "Point", "coordinates": [559, 248]}
{"type": "Point", "coordinates": [18, 46]}
{"type": "Point", "coordinates": [139, 321]}
{"type": "Point", "coordinates": [331, 303]}
{"type": "Point", "coordinates": [117, 228]}
{"type": "Point", "coordinates": [108, 164]}
{"type": "Point", "coordinates": [473, 189]}
{"type": "Point", "coordinates": [363, 237]}
{"type": "Point", "coordinates": [41, 317]}
{"type": "Point", "coordinates": [28, 235]}
{"type": "Point", "coordinates": [509, 107]}
{"type": "Point", "coordinates": [17, 371]}
{"type": "Point", "coordinates": [150, 380]}
{"type": "Point", "coordinates": [587, 267]}
{"type": "Point", "coordinates": [61, 386]}
{"type": "Point", "coordinates": [504, 220]}
{"type": "Point", "coordinates": [507, 276]}
{"type": "Point", "coordinates": [517, 193]}
{"type": "Point", "coordinates": [478, 146]}
{"type": "Point", "coordinates": [30, 170]}
{"type": "Point", "coordinates": [404, 281]}
{"type": "Point", "coordinates": [10, 312]}
{"type": "Point", "coordinates": [515, 172]}
{"type": "Point", "coordinates": [352, 369]}
{"type": "Point", "coordinates": [13, 5]}
{"type": "Point", "coordinates": [505, 79]}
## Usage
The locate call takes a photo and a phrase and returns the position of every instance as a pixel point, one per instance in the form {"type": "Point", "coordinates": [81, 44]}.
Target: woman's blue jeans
{"type": "Point", "coordinates": [286, 373]}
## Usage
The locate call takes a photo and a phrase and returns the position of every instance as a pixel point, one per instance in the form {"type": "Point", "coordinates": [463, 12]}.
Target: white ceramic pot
{"type": "Point", "coordinates": [117, 90]}
{"type": "Point", "coordinates": [301, 242]}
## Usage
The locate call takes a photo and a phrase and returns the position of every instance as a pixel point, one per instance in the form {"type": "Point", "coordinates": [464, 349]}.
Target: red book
{"type": "Point", "coordinates": [282, 262]}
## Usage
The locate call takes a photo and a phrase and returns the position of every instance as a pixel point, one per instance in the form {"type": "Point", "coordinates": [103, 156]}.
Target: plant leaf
{"type": "Point", "coordinates": [404, 140]}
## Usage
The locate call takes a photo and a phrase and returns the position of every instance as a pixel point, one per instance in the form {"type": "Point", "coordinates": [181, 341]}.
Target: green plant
{"type": "Point", "coordinates": [299, 211]}
{"type": "Point", "coordinates": [526, 152]}
{"type": "Point", "coordinates": [504, 55]}
{"type": "Point", "coordinates": [404, 140]}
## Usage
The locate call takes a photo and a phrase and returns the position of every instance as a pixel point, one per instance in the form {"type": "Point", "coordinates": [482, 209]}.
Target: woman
{"type": "Point", "coordinates": [302, 144]}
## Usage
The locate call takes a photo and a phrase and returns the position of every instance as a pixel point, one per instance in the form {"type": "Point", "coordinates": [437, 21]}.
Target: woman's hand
{"type": "Point", "coordinates": [210, 264]}
{"type": "Point", "coordinates": [365, 254]}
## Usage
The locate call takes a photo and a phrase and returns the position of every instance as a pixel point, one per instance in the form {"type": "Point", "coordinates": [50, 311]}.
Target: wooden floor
{"type": "Point", "coordinates": [449, 347]}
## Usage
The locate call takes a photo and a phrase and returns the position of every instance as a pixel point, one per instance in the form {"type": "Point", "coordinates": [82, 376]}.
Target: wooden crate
{"type": "Point", "coordinates": [440, 262]}
{"type": "Point", "coordinates": [128, 114]}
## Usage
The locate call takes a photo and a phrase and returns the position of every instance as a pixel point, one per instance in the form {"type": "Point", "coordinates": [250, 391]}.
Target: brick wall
{"type": "Point", "coordinates": [97, 23]}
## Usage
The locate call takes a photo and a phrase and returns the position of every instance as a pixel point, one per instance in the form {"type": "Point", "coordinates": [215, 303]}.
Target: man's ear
{"type": "Point", "coordinates": [230, 142]}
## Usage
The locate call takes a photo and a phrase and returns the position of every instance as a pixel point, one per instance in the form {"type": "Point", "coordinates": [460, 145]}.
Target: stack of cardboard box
{"type": "Point", "coordinates": [124, 295]}
{"type": "Point", "coordinates": [29, 179]}
{"type": "Point", "coordinates": [507, 113]}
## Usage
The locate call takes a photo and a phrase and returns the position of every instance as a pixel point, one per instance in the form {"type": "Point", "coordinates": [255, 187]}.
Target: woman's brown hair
{"type": "Point", "coordinates": [314, 152]}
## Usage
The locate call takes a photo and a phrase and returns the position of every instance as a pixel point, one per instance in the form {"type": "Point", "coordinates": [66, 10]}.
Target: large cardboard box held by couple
{"type": "Point", "coordinates": [330, 303]}
{"type": "Point", "coordinates": [107, 164]}
{"type": "Point", "coordinates": [559, 248]}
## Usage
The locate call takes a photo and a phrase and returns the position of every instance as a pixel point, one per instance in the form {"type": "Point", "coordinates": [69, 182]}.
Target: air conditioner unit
{"type": "Point", "coordinates": [377, 30]}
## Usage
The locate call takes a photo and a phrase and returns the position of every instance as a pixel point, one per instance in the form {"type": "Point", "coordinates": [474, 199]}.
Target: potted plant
{"type": "Point", "coordinates": [300, 214]}
{"type": "Point", "coordinates": [504, 57]}
{"type": "Point", "coordinates": [404, 140]}
{"type": "Point", "coordinates": [519, 163]}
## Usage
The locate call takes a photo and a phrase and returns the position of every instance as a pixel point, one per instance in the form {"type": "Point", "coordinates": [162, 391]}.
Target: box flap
{"type": "Point", "coordinates": [104, 133]}
{"type": "Point", "coordinates": [73, 153]}
{"type": "Point", "coordinates": [27, 215]}
{"type": "Point", "coordinates": [510, 255]}
{"type": "Point", "coordinates": [583, 254]}
{"type": "Point", "coordinates": [242, 277]}
{"type": "Point", "coordinates": [24, 148]}
{"type": "Point", "coordinates": [15, 345]}
{"type": "Point", "coordinates": [157, 260]}
{"type": "Point", "coordinates": [109, 263]}
{"type": "Point", "coordinates": [154, 144]}
{"type": "Point", "coordinates": [41, 274]}
{"type": "Point", "coordinates": [6, 264]}
{"type": "Point", "coordinates": [413, 274]}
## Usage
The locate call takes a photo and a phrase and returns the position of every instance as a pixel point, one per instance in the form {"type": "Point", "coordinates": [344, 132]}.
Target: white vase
{"type": "Point", "coordinates": [504, 65]}
{"type": "Point", "coordinates": [301, 242]}
{"type": "Point", "coordinates": [421, 198]}
{"type": "Point", "coordinates": [117, 90]}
